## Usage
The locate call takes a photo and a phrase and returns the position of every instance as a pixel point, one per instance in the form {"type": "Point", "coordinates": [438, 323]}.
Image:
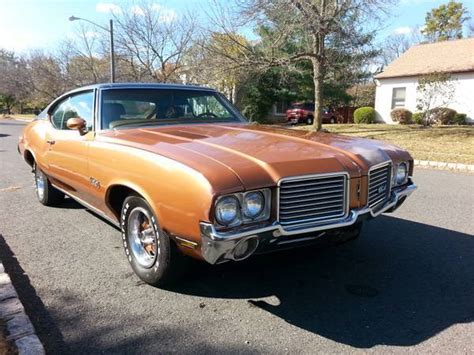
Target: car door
{"type": "Point", "coordinates": [67, 150]}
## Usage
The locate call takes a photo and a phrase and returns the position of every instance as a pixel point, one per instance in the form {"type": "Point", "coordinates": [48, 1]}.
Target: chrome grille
{"type": "Point", "coordinates": [379, 185]}
{"type": "Point", "coordinates": [312, 200]}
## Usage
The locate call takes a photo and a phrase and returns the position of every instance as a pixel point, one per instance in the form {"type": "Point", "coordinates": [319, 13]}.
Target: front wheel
{"type": "Point", "coordinates": [151, 253]}
{"type": "Point", "coordinates": [45, 192]}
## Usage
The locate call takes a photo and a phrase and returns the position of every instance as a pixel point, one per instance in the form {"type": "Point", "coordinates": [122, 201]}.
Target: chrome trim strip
{"type": "Point", "coordinates": [88, 206]}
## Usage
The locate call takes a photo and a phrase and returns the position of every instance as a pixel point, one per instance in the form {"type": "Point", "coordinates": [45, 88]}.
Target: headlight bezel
{"type": "Point", "coordinates": [404, 180]}
{"type": "Point", "coordinates": [242, 218]}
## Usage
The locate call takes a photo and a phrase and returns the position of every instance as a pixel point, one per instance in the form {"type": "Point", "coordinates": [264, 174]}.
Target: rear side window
{"type": "Point", "coordinates": [78, 105]}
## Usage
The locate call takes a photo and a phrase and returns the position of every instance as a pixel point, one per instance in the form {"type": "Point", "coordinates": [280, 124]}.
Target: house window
{"type": "Point", "coordinates": [398, 97]}
{"type": "Point", "coordinates": [281, 107]}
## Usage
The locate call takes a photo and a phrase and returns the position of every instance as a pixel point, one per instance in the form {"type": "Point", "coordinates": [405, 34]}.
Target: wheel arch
{"type": "Point", "coordinates": [29, 158]}
{"type": "Point", "coordinates": [119, 191]}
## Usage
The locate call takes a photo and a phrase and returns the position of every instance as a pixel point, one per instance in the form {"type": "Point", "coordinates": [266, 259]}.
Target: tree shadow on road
{"type": "Point", "coordinates": [401, 284]}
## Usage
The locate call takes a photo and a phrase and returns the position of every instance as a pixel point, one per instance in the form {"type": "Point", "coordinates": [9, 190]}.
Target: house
{"type": "Point", "coordinates": [277, 112]}
{"type": "Point", "coordinates": [397, 84]}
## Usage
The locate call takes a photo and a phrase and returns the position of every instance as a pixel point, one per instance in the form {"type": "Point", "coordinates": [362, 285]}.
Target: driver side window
{"type": "Point", "coordinates": [79, 105]}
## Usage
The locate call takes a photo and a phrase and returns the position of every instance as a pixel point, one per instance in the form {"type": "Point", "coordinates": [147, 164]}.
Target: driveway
{"type": "Point", "coordinates": [406, 286]}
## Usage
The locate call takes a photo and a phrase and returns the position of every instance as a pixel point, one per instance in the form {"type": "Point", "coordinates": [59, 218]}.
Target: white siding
{"type": "Point", "coordinates": [463, 101]}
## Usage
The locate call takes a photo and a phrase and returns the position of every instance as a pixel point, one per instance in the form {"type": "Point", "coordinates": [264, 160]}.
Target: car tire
{"type": "Point", "coordinates": [45, 192]}
{"type": "Point", "coordinates": [333, 120]}
{"type": "Point", "coordinates": [309, 120]}
{"type": "Point", "coordinates": [154, 258]}
{"type": "Point", "coordinates": [348, 234]}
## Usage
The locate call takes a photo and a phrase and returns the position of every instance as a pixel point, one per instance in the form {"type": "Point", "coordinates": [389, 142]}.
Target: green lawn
{"type": "Point", "coordinates": [452, 144]}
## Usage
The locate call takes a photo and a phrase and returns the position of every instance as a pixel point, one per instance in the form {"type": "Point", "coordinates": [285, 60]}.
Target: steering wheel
{"type": "Point", "coordinates": [207, 114]}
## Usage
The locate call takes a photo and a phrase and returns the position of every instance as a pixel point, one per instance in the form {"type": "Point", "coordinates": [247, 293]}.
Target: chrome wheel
{"type": "Point", "coordinates": [142, 237]}
{"type": "Point", "coordinates": [40, 184]}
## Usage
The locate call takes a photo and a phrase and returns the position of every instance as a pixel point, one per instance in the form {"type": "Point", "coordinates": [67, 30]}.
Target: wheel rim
{"type": "Point", "coordinates": [142, 237]}
{"type": "Point", "coordinates": [40, 184]}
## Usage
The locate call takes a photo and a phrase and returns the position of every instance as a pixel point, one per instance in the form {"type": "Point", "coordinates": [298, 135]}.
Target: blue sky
{"type": "Point", "coordinates": [40, 24]}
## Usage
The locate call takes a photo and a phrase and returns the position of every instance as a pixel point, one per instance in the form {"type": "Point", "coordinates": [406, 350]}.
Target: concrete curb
{"type": "Point", "coordinates": [16, 119]}
{"type": "Point", "coordinates": [20, 330]}
{"type": "Point", "coordinates": [445, 166]}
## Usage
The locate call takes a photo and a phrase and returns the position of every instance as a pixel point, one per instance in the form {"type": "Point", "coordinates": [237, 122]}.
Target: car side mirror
{"type": "Point", "coordinates": [78, 124]}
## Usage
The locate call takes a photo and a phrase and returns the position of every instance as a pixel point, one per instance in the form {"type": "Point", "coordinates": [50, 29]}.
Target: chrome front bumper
{"type": "Point", "coordinates": [218, 247]}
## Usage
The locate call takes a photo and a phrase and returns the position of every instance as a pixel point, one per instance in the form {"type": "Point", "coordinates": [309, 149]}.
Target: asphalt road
{"type": "Point", "coordinates": [406, 286]}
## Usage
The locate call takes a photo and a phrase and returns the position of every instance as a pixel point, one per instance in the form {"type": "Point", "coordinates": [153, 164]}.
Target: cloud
{"type": "Point", "coordinates": [137, 10]}
{"type": "Point", "coordinates": [108, 7]}
{"type": "Point", "coordinates": [166, 14]}
{"type": "Point", "coordinates": [404, 30]}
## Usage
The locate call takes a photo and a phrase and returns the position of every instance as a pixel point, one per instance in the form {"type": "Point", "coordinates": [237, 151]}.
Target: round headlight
{"type": "Point", "coordinates": [227, 210]}
{"type": "Point", "coordinates": [254, 203]}
{"type": "Point", "coordinates": [402, 172]}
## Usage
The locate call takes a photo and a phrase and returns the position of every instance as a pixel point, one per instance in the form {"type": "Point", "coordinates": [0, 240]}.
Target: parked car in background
{"type": "Point", "coordinates": [304, 113]}
{"type": "Point", "coordinates": [181, 173]}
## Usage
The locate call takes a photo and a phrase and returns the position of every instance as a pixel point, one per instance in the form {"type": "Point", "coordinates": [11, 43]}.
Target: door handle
{"type": "Point", "coordinates": [51, 142]}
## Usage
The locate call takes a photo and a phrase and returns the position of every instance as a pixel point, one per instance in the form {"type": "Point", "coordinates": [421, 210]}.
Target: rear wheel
{"type": "Point", "coordinates": [45, 192]}
{"type": "Point", "coordinates": [153, 256]}
{"type": "Point", "coordinates": [333, 120]}
{"type": "Point", "coordinates": [309, 120]}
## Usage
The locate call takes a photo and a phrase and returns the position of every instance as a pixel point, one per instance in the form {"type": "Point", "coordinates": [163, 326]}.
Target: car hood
{"type": "Point", "coordinates": [258, 155]}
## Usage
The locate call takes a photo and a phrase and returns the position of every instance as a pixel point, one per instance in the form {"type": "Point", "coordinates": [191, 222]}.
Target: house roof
{"type": "Point", "coordinates": [443, 57]}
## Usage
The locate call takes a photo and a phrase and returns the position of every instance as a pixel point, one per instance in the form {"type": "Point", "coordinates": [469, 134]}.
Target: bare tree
{"type": "Point", "coordinates": [207, 63]}
{"type": "Point", "coordinates": [84, 58]}
{"type": "Point", "coordinates": [13, 74]}
{"type": "Point", "coordinates": [303, 30]}
{"type": "Point", "coordinates": [153, 42]}
{"type": "Point", "coordinates": [46, 79]}
{"type": "Point", "coordinates": [396, 44]}
{"type": "Point", "coordinates": [434, 93]}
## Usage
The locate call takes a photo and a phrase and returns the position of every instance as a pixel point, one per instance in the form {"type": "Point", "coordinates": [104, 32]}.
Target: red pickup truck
{"type": "Point", "coordinates": [304, 113]}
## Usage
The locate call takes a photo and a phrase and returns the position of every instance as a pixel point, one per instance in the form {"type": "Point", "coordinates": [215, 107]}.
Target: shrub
{"type": "Point", "coordinates": [442, 115]}
{"type": "Point", "coordinates": [417, 117]}
{"type": "Point", "coordinates": [364, 115]}
{"type": "Point", "coordinates": [459, 118]}
{"type": "Point", "coordinates": [401, 115]}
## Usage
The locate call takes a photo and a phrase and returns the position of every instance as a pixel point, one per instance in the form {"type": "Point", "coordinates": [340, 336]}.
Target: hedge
{"type": "Point", "coordinates": [401, 115]}
{"type": "Point", "coordinates": [364, 115]}
{"type": "Point", "coordinates": [417, 117]}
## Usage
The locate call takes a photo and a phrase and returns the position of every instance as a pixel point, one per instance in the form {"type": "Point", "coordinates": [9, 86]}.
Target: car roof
{"type": "Point", "coordinates": [140, 86]}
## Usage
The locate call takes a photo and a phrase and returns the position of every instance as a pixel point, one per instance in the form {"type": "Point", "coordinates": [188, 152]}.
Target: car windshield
{"type": "Point", "coordinates": [145, 107]}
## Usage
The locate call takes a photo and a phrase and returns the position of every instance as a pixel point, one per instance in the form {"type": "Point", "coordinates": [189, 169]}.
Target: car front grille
{"type": "Point", "coordinates": [312, 200]}
{"type": "Point", "coordinates": [379, 185]}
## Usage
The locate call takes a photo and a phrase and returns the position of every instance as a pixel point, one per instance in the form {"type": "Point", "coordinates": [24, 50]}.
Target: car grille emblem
{"type": "Point", "coordinates": [382, 189]}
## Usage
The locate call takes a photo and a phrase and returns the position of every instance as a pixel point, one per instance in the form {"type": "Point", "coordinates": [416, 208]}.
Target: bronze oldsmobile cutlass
{"type": "Point", "coordinates": [181, 172]}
